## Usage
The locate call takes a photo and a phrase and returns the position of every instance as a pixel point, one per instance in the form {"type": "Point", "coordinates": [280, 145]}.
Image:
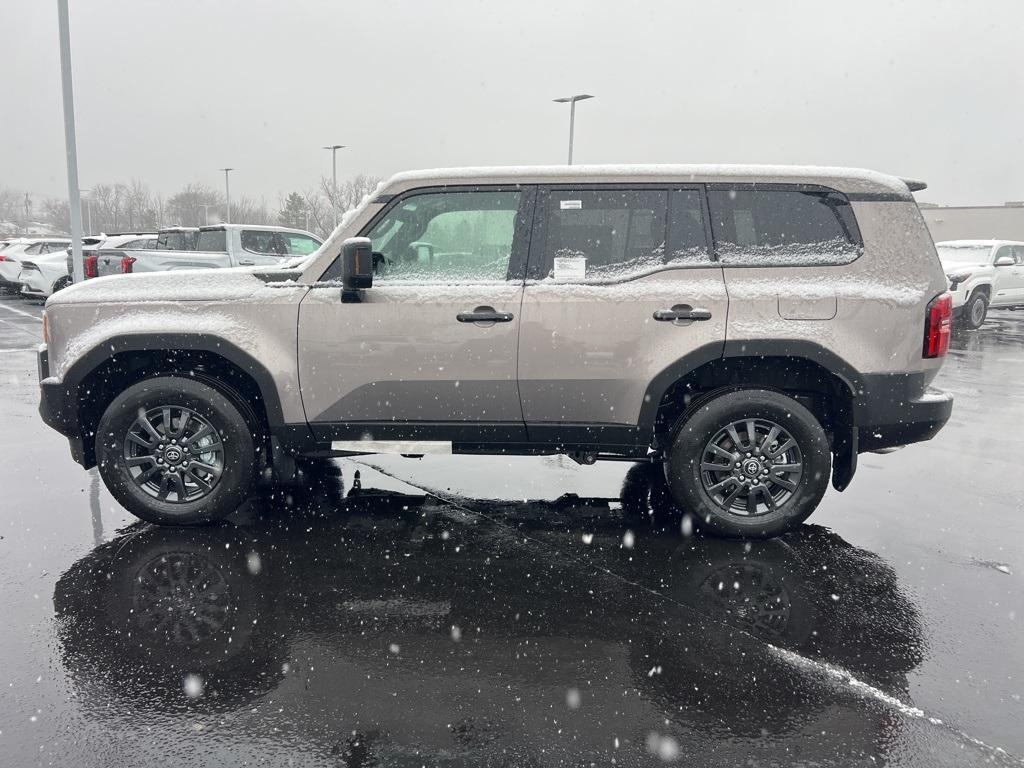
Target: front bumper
{"type": "Point", "coordinates": [58, 408]}
{"type": "Point", "coordinates": [898, 409]}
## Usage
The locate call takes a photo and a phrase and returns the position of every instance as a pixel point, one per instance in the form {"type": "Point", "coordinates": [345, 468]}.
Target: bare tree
{"type": "Point", "coordinates": [189, 207]}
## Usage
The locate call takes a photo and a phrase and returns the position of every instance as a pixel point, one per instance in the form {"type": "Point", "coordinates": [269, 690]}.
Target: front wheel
{"type": "Point", "coordinates": [975, 310]}
{"type": "Point", "coordinates": [749, 463]}
{"type": "Point", "coordinates": [175, 451]}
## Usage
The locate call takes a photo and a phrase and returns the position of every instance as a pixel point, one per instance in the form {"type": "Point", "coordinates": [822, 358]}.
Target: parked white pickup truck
{"type": "Point", "coordinates": [983, 274]}
{"type": "Point", "coordinates": [221, 245]}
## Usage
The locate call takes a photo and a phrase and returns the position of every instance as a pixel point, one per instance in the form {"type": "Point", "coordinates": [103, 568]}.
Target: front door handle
{"type": "Point", "coordinates": [247, 263]}
{"type": "Point", "coordinates": [682, 312]}
{"type": "Point", "coordinates": [484, 315]}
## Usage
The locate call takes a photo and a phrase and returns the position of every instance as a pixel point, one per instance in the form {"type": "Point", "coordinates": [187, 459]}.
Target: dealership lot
{"type": "Point", "coordinates": [537, 606]}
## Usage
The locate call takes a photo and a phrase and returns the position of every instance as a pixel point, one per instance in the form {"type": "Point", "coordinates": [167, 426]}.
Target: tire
{"type": "Point", "coordinates": [61, 283]}
{"type": "Point", "coordinates": [975, 310]}
{"type": "Point", "coordinates": [720, 498]}
{"type": "Point", "coordinates": [214, 464]}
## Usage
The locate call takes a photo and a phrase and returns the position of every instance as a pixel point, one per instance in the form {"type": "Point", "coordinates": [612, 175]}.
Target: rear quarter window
{"type": "Point", "coordinates": [783, 227]}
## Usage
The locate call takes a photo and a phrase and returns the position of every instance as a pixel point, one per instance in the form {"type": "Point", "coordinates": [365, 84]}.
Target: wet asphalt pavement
{"type": "Point", "coordinates": [519, 612]}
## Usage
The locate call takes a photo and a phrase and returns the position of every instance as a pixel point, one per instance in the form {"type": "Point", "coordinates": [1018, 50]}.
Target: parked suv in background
{"type": "Point", "coordinates": [27, 248]}
{"type": "Point", "coordinates": [983, 274]}
{"type": "Point", "coordinates": [752, 328]}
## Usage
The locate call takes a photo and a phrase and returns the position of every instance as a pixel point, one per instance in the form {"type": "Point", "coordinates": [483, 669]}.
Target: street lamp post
{"type": "Point", "coordinates": [88, 209]}
{"type": "Point", "coordinates": [572, 115]}
{"type": "Point", "coordinates": [227, 194]}
{"type": "Point", "coordinates": [334, 179]}
{"type": "Point", "coordinates": [70, 145]}
{"type": "Point", "coordinates": [206, 212]}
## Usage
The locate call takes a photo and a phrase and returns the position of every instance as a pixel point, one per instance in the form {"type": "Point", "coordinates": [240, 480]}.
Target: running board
{"type": "Point", "coordinates": [403, 447]}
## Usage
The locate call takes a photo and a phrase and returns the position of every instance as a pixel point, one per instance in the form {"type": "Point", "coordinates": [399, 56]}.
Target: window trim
{"type": "Point", "coordinates": [538, 266]}
{"type": "Point", "coordinates": [521, 231]}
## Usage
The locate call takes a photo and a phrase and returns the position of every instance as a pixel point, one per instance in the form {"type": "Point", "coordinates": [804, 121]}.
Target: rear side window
{"type": "Point", "coordinates": [213, 240]}
{"type": "Point", "coordinates": [607, 235]}
{"type": "Point", "coordinates": [261, 241]}
{"type": "Point", "coordinates": [777, 227]}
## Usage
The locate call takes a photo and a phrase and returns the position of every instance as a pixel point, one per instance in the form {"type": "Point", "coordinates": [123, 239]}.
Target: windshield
{"type": "Point", "coordinates": [964, 254]}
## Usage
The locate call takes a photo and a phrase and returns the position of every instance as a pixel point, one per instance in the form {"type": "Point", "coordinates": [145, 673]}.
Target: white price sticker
{"type": "Point", "coordinates": [570, 267]}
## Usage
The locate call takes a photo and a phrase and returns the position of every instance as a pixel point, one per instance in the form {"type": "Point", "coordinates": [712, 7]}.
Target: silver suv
{"type": "Point", "coordinates": [751, 328]}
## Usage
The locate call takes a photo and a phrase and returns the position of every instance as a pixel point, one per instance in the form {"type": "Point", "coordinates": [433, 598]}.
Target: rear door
{"type": "Point", "coordinates": [429, 353]}
{"type": "Point", "coordinates": [622, 290]}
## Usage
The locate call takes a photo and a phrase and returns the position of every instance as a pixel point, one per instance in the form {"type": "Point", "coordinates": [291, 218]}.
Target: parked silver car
{"type": "Point", "coordinates": [751, 328]}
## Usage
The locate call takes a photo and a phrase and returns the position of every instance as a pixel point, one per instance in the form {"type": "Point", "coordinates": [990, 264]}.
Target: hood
{"type": "Point", "coordinates": [228, 284]}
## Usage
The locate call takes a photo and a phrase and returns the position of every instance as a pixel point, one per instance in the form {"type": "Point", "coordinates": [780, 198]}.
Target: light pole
{"type": "Point", "coordinates": [572, 114]}
{"type": "Point", "coordinates": [88, 209]}
{"type": "Point", "coordinates": [70, 145]}
{"type": "Point", "coordinates": [206, 213]}
{"type": "Point", "coordinates": [227, 194]}
{"type": "Point", "coordinates": [334, 179]}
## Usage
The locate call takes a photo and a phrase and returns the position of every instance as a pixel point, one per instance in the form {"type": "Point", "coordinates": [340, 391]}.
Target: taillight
{"type": "Point", "coordinates": [126, 264]}
{"type": "Point", "coordinates": [90, 267]}
{"type": "Point", "coordinates": [938, 326]}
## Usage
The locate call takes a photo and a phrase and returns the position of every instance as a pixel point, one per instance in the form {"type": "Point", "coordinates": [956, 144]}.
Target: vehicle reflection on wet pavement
{"type": "Point", "coordinates": [455, 612]}
{"type": "Point", "coordinates": [386, 624]}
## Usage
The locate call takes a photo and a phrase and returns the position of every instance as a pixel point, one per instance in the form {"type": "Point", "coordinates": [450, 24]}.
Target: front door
{"type": "Point", "coordinates": [622, 287]}
{"type": "Point", "coordinates": [430, 351]}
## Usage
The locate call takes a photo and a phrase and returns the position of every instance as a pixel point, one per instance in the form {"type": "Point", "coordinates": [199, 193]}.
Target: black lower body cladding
{"type": "Point", "coordinates": [898, 409]}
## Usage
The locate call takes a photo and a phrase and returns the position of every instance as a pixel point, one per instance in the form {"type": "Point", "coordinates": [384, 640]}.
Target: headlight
{"type": "Point", "coordinates": [957, 277]}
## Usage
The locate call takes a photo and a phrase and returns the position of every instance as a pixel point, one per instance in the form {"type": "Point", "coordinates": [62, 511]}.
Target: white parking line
{"type": "Point", "coordinates": [22, 312]}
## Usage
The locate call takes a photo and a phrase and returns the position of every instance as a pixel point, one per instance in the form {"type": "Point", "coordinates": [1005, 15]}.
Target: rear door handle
{"type": "Point", "coordinates": [484, 315]}
{"type": "Point", "coordinates": [247, 263]}
{"type": "Point", "coordinates": [682, 312]}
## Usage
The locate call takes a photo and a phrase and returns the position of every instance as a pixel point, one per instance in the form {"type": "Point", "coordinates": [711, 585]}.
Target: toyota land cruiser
{"type": "Point", "coordinates": [751, 328]}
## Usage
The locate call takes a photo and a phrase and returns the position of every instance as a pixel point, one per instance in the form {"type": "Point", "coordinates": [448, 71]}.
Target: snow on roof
{"type": "Point", "coordinates": [847, 179]}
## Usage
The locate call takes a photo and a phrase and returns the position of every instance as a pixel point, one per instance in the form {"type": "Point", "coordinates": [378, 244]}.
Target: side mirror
{"type": "Point", "coordinates": [356, 267]}
{"type": "Point", "coordinates": [1005, 261]}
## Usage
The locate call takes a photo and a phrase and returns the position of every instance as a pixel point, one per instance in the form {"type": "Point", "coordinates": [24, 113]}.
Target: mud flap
{"type": "Point", "coordinates": [844, 458]}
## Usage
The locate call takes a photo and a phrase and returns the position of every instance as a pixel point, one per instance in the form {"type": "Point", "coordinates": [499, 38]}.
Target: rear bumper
{"type": "Point", "coordinates": [899, 409]}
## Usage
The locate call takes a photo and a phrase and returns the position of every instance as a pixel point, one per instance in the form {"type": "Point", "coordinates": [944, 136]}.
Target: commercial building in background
{"type": "Point", "coordinates": [975, 222]}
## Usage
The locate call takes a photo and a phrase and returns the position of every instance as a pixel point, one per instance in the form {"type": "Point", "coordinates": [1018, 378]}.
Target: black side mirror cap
{"type": "Point", "coordinates": [356, 267]}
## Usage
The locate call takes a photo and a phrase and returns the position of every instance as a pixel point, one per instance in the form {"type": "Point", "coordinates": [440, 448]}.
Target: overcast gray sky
{"type": "Point", "coordinates": [170, 91]}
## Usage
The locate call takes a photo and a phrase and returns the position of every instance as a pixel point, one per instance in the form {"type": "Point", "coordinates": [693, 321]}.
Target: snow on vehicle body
{"type": "Point", "coordinates": [753, 327]}
{"type": "Point", "coordinates": [983, 274]}
{"type": "Point", "coordinates": [221, 245]}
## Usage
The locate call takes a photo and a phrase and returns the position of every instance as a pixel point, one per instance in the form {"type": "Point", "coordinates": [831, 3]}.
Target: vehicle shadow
{"type": "Point", "coordinates": [328, 599]}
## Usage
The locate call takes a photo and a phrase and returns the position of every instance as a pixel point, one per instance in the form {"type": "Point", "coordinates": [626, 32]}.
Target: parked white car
{"type": "Point", "coordinates": [11, 258]}
{"type": "Point", "coordinates": [983, 274]}
{"type": "Point", "coordinates": [44, 275]}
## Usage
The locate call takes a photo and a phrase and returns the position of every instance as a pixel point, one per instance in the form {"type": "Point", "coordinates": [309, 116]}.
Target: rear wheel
{"type": "Point", "coordinates": [975, 310]}
{"type": "Point", "coordinates": [175, 451]}
{"type": "Point", "coordinates": [749, 463]}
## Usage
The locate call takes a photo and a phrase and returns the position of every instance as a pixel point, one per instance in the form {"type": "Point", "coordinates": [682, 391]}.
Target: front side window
{"type": "Point", "coordinates": [775, 227]}
{"type": "Point", "coordinates": [604, 235]}
{"type": "Point", "coordinates": [446, 236]}
{"type": "Point", "coordinates": [33, 249]}
{"type": "Point", "coordinates": [299, 245]}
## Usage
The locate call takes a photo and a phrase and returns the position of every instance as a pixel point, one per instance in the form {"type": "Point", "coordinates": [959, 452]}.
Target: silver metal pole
{"type": "Point", "coordinates": [334, 183]}
{"type": "Point", "coordinates": [70, 145]}
{"type": "Point", "coordinates": [572, 126]}
{"type": "Point", "coordinates": [227, 195]}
